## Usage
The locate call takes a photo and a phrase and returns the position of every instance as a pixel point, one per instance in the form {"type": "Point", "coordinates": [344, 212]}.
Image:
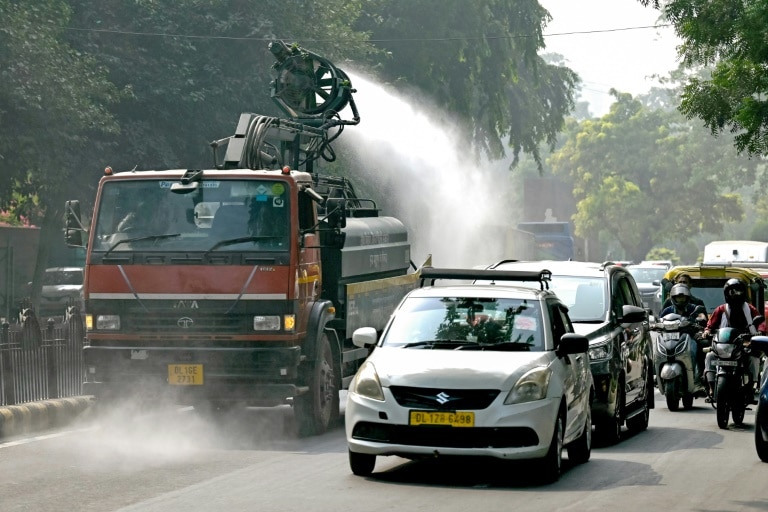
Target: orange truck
{"type": "Point", "coordinates": [240, 284]}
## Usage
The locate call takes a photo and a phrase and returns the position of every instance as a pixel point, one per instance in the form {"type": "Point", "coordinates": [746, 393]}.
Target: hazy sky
{"type": "Point", "coordinates": [607, 56]}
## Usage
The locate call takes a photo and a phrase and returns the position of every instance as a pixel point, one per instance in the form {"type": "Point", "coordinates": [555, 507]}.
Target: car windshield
{"type": "Point", "coordinates": [467, 323]}
{"type": "Point", "coordinates": [60, 277]}
{"type": "Point", "coordinates": [647, 274]}
{"type": "Point", "coordinates": [584, 296]}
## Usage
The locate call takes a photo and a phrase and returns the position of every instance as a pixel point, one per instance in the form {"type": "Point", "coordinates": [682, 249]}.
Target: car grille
{"type": "Point", "coordinates": [441, 399]}
{"type": "Point", "coordinates": [446, 437]}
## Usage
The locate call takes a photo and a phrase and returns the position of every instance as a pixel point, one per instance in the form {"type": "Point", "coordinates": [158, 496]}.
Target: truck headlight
{"type": "Point", "coordinates": [533, 385]}
{"type": "Point", "coordinates": [108, 322]}
{"type": "Point", "coordinates": [266, 323]}
{"type": "Point", "coordinates": [366, 383]}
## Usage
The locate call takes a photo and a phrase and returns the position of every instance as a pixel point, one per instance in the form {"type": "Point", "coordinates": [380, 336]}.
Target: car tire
{"type": "Point", "coordinates": [552, 463]}
{"type": "Point", "coordinates": [688, 401]}
{"type": "Point", "coordinates": [761, 436]}
{"type": "Point", "coordinates": [580, 450]}
{"type": "Point", "coordinates": [361, 464]}
{"type": "Point", "coordinates": [609, 430]}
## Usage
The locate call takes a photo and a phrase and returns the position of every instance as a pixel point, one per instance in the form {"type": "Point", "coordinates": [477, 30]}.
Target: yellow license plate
{"type": "Point", "coordinates": [185, 374]}
{"type": "Point", "coordinates": [444, 418]}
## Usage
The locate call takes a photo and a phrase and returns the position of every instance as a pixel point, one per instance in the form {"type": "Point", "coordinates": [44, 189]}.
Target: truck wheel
{"type": "Point", "coordinates": [319, 407]}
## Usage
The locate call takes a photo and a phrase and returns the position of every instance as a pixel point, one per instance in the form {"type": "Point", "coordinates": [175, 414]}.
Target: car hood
{"type": "Point", "coordinates": [61, 290]}
{"type": "Point", "coordinates": [454, 368]}
{"type": "Point", "coordinates": [596, 332]}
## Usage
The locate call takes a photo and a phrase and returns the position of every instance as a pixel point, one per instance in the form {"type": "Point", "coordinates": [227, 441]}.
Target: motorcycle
{"type": "Point", "coordinates": [674, 363]}
{"type": "Point", "coordinates": [734, 388]}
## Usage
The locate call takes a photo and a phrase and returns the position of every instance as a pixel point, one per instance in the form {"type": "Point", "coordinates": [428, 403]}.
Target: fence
{"type": "Point", "coordinates": [41, 363]}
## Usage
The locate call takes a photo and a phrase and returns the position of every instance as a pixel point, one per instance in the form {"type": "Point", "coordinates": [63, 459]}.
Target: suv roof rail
{"type": "Point", "coordinates": [501, 262]}
{"type": "Point", "coordinates": [606, 264]}
{"type": "Point", "coordinates": [542, 276]}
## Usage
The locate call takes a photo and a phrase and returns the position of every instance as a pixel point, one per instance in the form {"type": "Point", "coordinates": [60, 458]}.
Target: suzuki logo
{"type": "Point", "coordinates": [185, 322]}
{"type": "Point", "coordinates": [442, 397]}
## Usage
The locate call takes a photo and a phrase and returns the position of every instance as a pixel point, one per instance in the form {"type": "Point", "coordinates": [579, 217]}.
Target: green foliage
{"type": "Point", "coordinates": [729, 36]}
{"type": "Point", "coordinates": [645, 176]}
{"type": "Point", "coordinates": [663, 254]}
{"type": "Point", "coordinates": [759, 231]}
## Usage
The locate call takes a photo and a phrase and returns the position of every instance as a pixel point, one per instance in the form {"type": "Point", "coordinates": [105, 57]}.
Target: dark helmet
{"type": "Point", "coordinates": [735, 291]}
{"type": "Point", "coordinates": [680, 295]}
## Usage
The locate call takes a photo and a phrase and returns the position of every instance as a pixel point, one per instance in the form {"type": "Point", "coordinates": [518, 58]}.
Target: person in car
{"type": "Point", "coordinates": [686, 280]}
{"type": "Point", "coordinates": [736, 312]}
{"type": "Point", "coordinates": [680, 295]}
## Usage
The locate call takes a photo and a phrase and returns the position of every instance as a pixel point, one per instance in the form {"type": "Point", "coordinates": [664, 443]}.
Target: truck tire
{"type": "Point", "coordinates": [319, 407]}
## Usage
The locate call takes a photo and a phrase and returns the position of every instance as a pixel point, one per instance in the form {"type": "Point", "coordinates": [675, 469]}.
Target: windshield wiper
{"type": "Point", "coordinates": [139, 239]}
{"type": "Point", "coordinates": [239, 240]}
{"type": "Point", "coordinates": [438, 343]}
{"type": "Point", "coordinates": [504, 346]}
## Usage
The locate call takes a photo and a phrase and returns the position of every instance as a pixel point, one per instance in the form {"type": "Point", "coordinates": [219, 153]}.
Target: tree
{"type": "Point", "coordinates": [479, 60]}
{"type": "Point", "coordinates": [52, 98]}
{"type": "Point", "coordinates": [727, 36]}
{"type": "Point", "coordinates": [644, 176]}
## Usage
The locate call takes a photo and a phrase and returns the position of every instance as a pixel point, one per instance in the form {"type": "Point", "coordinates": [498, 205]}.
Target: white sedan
{"type": "Point", "coordinates": [473, 369]}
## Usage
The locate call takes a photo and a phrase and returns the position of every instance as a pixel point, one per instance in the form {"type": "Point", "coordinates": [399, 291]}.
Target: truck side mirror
{"type": "Point", "coordinates": [337, 212]}
{"type": "Point", "coordinates": [73, 227]}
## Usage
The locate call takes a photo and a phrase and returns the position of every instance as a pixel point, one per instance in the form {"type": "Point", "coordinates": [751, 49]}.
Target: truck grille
{"type": "Point", "coordinates": [187, 323]}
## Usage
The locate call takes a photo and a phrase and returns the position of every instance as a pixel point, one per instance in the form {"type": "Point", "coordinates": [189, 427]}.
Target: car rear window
{"type": "Point", "coordinates": [73, 277]}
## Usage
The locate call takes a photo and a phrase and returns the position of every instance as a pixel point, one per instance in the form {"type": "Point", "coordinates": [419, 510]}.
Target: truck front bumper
{"type": "Point", "coordinates": [255, 376]}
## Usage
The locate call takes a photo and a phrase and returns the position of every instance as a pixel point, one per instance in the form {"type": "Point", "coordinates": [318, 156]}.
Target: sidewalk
{"type": "Point", "coordinates": [37, 416]}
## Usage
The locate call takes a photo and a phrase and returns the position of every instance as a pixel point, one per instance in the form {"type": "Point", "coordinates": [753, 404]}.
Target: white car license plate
{"type": "Point", "coordinates": [445, 418]}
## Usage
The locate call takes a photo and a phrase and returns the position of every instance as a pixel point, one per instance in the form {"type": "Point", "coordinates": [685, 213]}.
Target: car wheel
{"type": "Point", "coordinates": [361, 464]}
{"type": "Point", "coordinates": [687, 401]}
{"type": "Point", "coordinates": [609, 430]}
{"type": "Point", "coordinates": [552, 463]}
{"type": "Point", "coordinates": [721, 399]}
{"type": "Point", "coordinates": [761, 435]}
{"type": "Point", "coordinates": [580, 450]}
{"type": "Point", "coordinates": [639, 422]}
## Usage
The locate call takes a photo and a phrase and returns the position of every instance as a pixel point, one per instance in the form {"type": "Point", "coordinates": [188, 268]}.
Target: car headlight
{"type": "Point", "coordinates": [533, 385]}
{"type": "Point", "coordinates": [366, 383]}
{"type": "Point", "coordinates": [600, 351]}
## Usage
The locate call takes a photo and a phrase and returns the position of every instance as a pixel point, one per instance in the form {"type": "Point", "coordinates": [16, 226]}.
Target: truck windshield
{"type": "Point", "coordinates": [231, 215]}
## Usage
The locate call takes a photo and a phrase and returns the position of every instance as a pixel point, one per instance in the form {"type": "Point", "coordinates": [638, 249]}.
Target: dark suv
{"type": "Point", "coordinates": [605, 305]}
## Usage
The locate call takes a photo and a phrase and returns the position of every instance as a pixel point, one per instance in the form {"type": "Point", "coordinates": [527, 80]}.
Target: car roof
{"type": "Point", "coordinates": [498, 291]}
{"type": "Point", "coordinates": [562, 267]}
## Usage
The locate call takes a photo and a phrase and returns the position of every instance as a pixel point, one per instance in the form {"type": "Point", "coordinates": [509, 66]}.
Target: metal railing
{"type": "Point", "coordinates": [41, 362]}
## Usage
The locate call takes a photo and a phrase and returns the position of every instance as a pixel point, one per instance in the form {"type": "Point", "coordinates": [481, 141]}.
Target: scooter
{"type": "Point", "coordinates": [734, 389]}
{"type": "Point", "coordinates": [673, 359]}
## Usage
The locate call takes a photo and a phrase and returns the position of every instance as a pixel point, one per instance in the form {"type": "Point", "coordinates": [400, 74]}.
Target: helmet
{"type": "Point", "coordinates": [680, 294]}
{"type": "Point", "coordinates": [735, 291]}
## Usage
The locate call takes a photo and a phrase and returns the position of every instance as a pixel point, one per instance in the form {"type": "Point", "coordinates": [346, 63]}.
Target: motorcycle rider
{"type": "Point", "coordinates": [680, 295]}
{"type": "Point", "coordinates": [737, 313]}
{"type": "Point", "coordinates": [686, 280]}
